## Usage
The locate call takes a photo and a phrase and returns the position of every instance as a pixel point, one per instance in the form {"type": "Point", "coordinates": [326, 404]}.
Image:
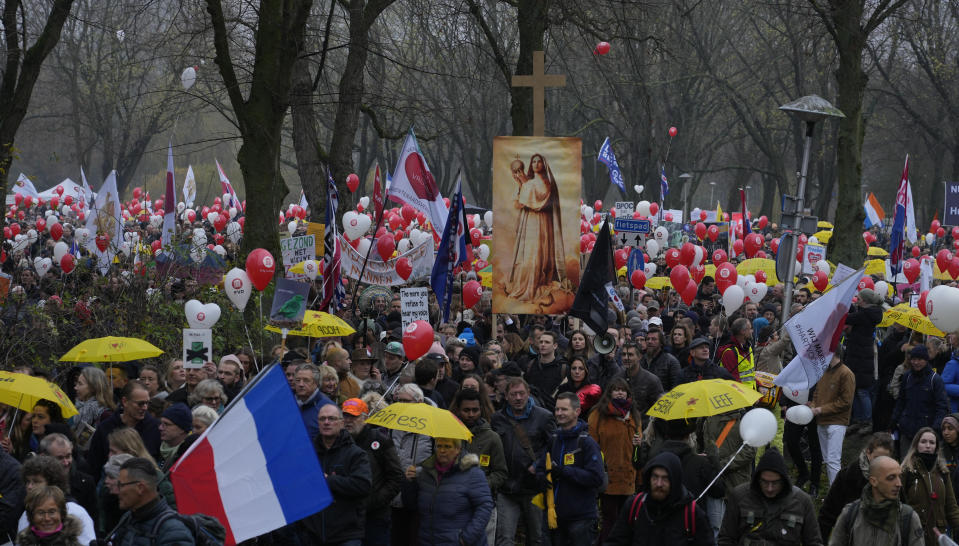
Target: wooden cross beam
{"type": "Point", "coordinates": [539, 81]}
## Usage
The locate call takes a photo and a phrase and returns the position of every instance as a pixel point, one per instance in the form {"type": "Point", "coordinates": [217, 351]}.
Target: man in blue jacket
{"type": "Point", "coordinates": [922, 398]}
{"type": "Point", "coordinates": [576, 473]}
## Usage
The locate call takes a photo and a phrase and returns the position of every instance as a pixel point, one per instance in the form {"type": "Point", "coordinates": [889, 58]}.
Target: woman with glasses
{"type": "Point", "coordinates": [209, 392]}
{"type": "Point", "coordinates": [49, 522]}
{"type": "Point", "coordinates": [152, 379]}
{"type": "Point", "coordinates": [45, 471]}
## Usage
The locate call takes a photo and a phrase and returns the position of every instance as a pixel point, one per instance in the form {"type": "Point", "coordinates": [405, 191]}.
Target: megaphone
{"type": "Point", "coordinates": [604, 344]}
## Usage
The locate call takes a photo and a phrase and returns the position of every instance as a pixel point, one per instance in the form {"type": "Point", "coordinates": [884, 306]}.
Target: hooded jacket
{"type": "Point", "coordinates": [698, 470]}
{"type": "Point", "coordinates": [846, 488]}
{"type": "Point", "coordinates": [922, 402]}
{"type": "Point", "coordinates": [488, 447]}
{"type": "Point", "coordinates": [577, 472]}
{"type": "Point", "coordinates": [453, 508]}
{"type": "Point", "coordinates": [753, 519]}
{"type": "Point", "coordinates": [347, 469]}
{"type": "Point", "coordinates": [661, 522]}
{"type": "Point", "coordinates": [860, 343]}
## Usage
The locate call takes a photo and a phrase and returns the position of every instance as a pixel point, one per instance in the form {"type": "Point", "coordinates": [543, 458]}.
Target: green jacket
{"type": "Point", "coordinates": [488, 446]}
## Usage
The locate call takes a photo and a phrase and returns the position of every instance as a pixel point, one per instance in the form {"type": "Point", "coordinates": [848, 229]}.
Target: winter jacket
{"type": "Point", "coordinates": [834, 394]}
{"type": "Point", "coordinates": [937, 506]}
{"type": "Point", "coordinates": [347, 469]}
{"type": "Point", "coordinates": [603, 368]}
{"type": "Point", "coordinates": [538, 424]}
{"type": "Point", "coordinates": [950, 376]}
{"type": "Point", "coordinates": [860, 343]}
{"type": "Point", "coordinates": [722, 448]}
{"type": "Point", "coordinates": [12, 495]}
{"type": "Point", "coordinates": [546, 377]}
{"type": "Point", "coordinates": [662, 522]}
{"type": "Point", "coordinates": [86, 532]}
{"type": "Point", "coordinates": [310, 410]}
{"type": "Point", "coordinates": [863, 533]}
{"type": "Point", "coordinates": [752, 519]}
{"type": "Point", "coordinates": [645, 389]}
{"type": "Point", "coordinates": [488, 447]}
{"type": "Point", "coordinates": [577, 473]}
{"type": "Point", "coordinates": [386, 474]}
{"type": "Point", "coordinates": [922, 402]}
{"type": "Point", "coordinates": [148, 428]}
{"type": "Point", "coordinates": [739, 360]}
{"type": "Point", "coordinates": [614, 434]}
{"type": "Point", "coordinates": [846, 488]}
{"type": "Point", "coordinates": [68, 536]}
{"type": "Point", "coordinates": [665, 367]}
{"type": "Point", "coordinates": [769, 355]}
{"type": "Point", "coordinates": [453, 508]}
{"type": "Point", "coordinates": [136, 528]}
{"type": "Point", "coordinates": [698, 470]}
{"type": "Point", "coordinates": [708, 370]}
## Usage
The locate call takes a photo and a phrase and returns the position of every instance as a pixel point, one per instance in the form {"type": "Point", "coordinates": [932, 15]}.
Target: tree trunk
{"type": "Point", "coordinates": [532, 20]}
{"type": "Point", "coordinates": [306, 144]}
{"type": "Point", "coordinates": [20, 72]}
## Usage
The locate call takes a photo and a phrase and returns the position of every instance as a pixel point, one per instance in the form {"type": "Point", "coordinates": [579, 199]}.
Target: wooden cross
{"type": "Point", "coordinates": [539, 81]}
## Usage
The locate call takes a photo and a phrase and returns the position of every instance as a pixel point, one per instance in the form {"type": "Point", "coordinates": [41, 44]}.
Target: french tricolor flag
{"type": "Point", "coordinates": [254, 468]}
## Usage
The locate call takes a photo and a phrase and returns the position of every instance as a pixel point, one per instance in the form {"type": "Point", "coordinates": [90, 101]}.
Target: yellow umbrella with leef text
{"type": "Point", "coordinates": [702, 399]}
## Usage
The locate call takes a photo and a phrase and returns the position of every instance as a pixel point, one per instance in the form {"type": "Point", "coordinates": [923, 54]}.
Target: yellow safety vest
{"type": "Point", "coordinates": [745, 365]}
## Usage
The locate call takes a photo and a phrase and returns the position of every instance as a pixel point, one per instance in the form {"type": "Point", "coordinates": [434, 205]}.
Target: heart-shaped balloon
{"type": "Point", "coordinates": [201, 315]}
{"type": "Point", "coordinates": [365, 201]}
{"type": "Point", "coordinates": [355, 224]}
{"type": "Point", "coordinates": [638, 188]}
{"type": "Point", "coordinates": [43, 265]}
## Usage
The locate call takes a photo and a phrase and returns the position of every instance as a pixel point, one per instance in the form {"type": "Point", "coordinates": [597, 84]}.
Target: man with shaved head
{"type": "Point", "coordinates": [878, 518]}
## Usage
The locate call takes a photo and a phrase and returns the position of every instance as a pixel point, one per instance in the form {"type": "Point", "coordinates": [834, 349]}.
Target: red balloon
{"type": "Point", "coordinates": [687, 254]}
{"type": "Point", "coordinates": [54, 202]}
{"type": "Point", "coordinates": [941, 232]}
{"type": "Point", "coordinates": [653, 209]}
{"type": "Point", "coordinates": [137, 192]}
{"type": "Point", "coordinates": [417, 339]}
{"type": "Point", "coordinates": [218, 238]}
{"type": "Point", "coordinates": [800, 248]}
{"type": "Point", "coordinates": [955, 232]}
{"type": "Point", "coordinates": [922, 302]}
{"type": "Point", "coordinates": [352, 182]}
{"type": "Point", "coordinates": [638, 279]}
{"type": "Point", "coordinates": [41, 224]}
{"type": "Point", "coordinates": [719, 256]}
{"type": "Point", "coordinates": [220, 223]}
{"type": "Point", "coordinates": [385, 247]}
{"type": "Point", "coordinates": [260, 267]}
{"type": "Point", "coordinates": [156, 245]}
{"type": "Point", "coordinates": [738, 247]}
{"type": "Point", "coordinates": [602, 48]}
{"type": "Point", "coordinates": [408, 212]}
{"type": "Point", "coordinates": [242, 222]}
{"type": "Point", "coordinates": [713, 232]}
{"type": "Point", "coordinates": [702, 215]}
{"type": "Point", "coordinates": [942, 259]}
{"type": "Point", "coordinates": [668, 216]}
{"type": "Point", "coordinates": [67, 263]}
{"type": "Point", "coordinates": [700, 230]}
{"type": "Point", "coordinates": [689, 293]}
{"type": "Point", "coordinates": [673, 132]}
{"type": "Point", "coordinates": [915, 252]}
{"type": "Point", "coordinates": [59, 190]}
{"type": "Point", "coordinates": [7, 233]}
{"type": "Point", "coordinates": [598, 205]}
{"type": "Point", "coordinates": [472, 292]}
{"type": "Point", "coordinates": [27, 201]}
{"type": "Point", "coordinates": [102, 242]}
{"type": "Point", "coordinates": [395, 222]}
{"type": "Point", "coordinates": [820, 280]}
{"type": "Point", "coordinates": [672, 257]}
{"type": "Point", "coordinates": [697, 272]}
{"type": "Point", "coordinates": [68, 200]}
{"type": "Point", "coordinates": [763, 222]}
{"type": "Point", "coordinates": [621, 256]}
{"type": "Point", "coordinates": [18, 198]}
{"type": "Point", "coordinates": [726, 276]}
{"type": "Point", "coordinates": [56, 231]}
{"type": "Point", "coordinates": [761, 254]}
{"type": "Point", "coordinates": [934, 226]}
{"type": "Point", "coordinates": [774, 245]}
{"type": "Point", "coordinates": [910, 268]}
{"type": "Point", "coordinates": [866, 282]}
{"type": "Point", "coordinates": [679, 277]}
{"type": "Point", "coordinates": [954, 267]}
{"type": "Point", "coordinates": [475, 236]}
{"type": "Point", "coordinates": [753, 243]}
{"type": "Point", "coordinates": [760, 276]}
{"type": "Point", "coordinates": [403, 268]}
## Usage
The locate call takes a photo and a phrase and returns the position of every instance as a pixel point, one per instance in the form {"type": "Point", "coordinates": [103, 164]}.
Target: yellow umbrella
{"type": "Point", "coordinates": [822, 224]}
{"type": "Point", "coordinates": [875, 267]}
{"type": "Point", "coordinates": [878, 252]}
{"type": "Point", "coordinates": [23, 391]}
{"type": "Point", "coordinates": [823, 236]}
{"type": "Point", "coordinates": [702, 399]}
{"type": "Point", "coordinates": [111, 349]}
{"type": "Point", "coordinates": [658, 283]}
{"type": "Point", "coordinates": [752, 265]}
{"type": "Point", "coordinates": [319, 324]}
{"type": "Point", "coordinates": [911, 318]}
{"type": "Point", "coordinates": [421, 418]}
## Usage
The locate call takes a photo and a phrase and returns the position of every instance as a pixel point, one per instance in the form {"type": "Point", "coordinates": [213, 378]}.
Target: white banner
{"type": "Point", "coordinates": [384, 273]}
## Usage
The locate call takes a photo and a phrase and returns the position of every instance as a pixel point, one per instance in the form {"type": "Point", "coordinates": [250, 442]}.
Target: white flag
{"type": "Point", "coordinates": [24, 186]}
{"type": "Point", "coordinates": [189, 187]}
{"type": "Point", "coordinates": [88, 195]}
{"type": "Point", "coordinates": [105, 221]}
{"type": "Point", "coordinates": [413, 184]}
{"type": "Point", "coordinates": [815, 333]}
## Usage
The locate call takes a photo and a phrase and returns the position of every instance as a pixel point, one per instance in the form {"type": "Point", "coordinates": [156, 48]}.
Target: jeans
{"type": "Point", "coordinates": [715, 510]}
{"type": "Point", "coordinates": [862, 405]}
{"type": "Point", "coordinates": [509, 510]}
{"type": "Point", "coordinates": [830, 439]}
{"type": "Point", "coordinates": [574, 533]}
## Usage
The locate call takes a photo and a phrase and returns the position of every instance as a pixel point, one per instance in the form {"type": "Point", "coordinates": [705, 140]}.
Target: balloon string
{"type": "Point", "coordinates": [731, 459]}
{"type": "Point", "coordinates": [256, 365]}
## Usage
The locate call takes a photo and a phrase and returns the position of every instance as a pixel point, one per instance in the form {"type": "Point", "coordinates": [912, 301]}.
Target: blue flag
{"type": "Point", "coordinates": [663, 183]}
{"type": "Point", "coordinates": [608, 158]}
{"type": "Point", "coordinates": [332, 289]}
{"type": "Point", "coordinates": [452, 251]}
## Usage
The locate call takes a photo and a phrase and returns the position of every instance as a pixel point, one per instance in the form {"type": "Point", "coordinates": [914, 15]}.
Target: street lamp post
{"type": "Point", "coordinates": [685, 177]}
{"type": "Point", "coordinates": [810, 109]}
{"type": "Point", "coordinates": [712, 191]}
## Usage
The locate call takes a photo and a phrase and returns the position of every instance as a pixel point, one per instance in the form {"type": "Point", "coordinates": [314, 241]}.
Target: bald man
{"type": "Point", "coordinates": [867, 527]}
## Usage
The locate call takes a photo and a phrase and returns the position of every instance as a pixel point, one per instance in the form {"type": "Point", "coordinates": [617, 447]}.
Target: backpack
{"type": "Point", "coordinates": [689, 514]}
{"type": "Point", "coordinates": [206, 530]}
{"type": "Point", "coordinates": [905, 519]}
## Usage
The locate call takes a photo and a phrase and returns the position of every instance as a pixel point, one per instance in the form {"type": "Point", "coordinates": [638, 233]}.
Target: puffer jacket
{"type": "Point", "coordinates": [136, 528]}
{"type": "Point", "coordinates": [538, 424]}
{"type": "Point", "coordinates": [577, 472]}
{"type": "Point", "coordinates": [662, 522]}
{"type": "Point", "coordinates": [614, 434]}
{"type": "Point", "coordinates": [950, 376]}
{"type": "Point", "coordinates": [68, 536]}
{"type": "Point", "coordinates": [347, 469]}
{"type": "Point", "coordinates": [922, 402]}
{"type": "Point", "coordinates": [860, 343]}
{"type": "Point", "coordinates": [751, 519]}
{"type": "Point", "coordinates": [454, 508]}
{"type": "Point", "coordinates": [488, 446]}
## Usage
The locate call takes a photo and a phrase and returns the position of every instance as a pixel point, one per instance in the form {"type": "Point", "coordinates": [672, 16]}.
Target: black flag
{"type": "Point", "coordinates": [592, 297]}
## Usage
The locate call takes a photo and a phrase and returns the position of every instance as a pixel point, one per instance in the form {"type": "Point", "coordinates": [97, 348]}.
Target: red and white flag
{"type": "Point", "coordinates": [169, 202]}
{"type": "Point", "coordinates": [377, 195]}
{"type": "Point", "coordinates": [228, 189]}
{"type": "Point", "coordinates": [413, 185]}
{"type": "Point", "coordinates": [815, 333]}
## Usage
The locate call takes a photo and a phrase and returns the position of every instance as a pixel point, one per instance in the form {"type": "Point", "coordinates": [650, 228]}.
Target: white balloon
{"type": "Point", "coordinates": [813, 240]}
{"type": "Point", "coordinates": [695, 213]}
{"type": "Point", "coordinates": [233, 232]}
{"type": "Point", "coordinates": [197, 254]}
{"type": "Point", "coordinates": [291, 227]}
{"type": "Point", "coordinates": [201, 315]}
{"type": "Point", "coordinates": [652, 247]}
{"type": "Point", "coordinates": [650, 269]}
{"type": "Point", "coordinates": [125, 248]}
{"type": "Point", "coordinates": [488, 218]}
{"type": "Point", "coordinates": [797, 396]}
{"type": "Point", "coordinates": [661, 235]}
{"type": "Point", "coordinates": [32, 235]}
{"type": "Point", "coordinates": [65, 210]}
{"type": "Point", "coordinates": [180, 207]}
{"type": "Point", "coordinates": [756, 291]}
{"type": "Point", "coordinates": [82, 235]}
{"type": "Point", "coordinates": [821, 265]}
{"type": "Point", "coordinates": [800, 415]}
{"type": "Point", "coordinates": [758, 427]}
{"type": "Point", "coordinates": [364, 246]}
{"type": "Point", "coordinates": [588, 213]}
{"type": "Point", "coordinates": [405, 245]}
{"type": "Point", "coordinates": [638, 188]}
{"type": "Point", "coordinates": [228, 199]}
{"type": "Point", "coordinates": [733, 298]}
{"type": "Point", "coordinates": [643, 208]}
{"type": "Point", "coordinates": [219, 250]}
{"type": "Point", "coordinates": [483, 252]}
{"type": "Point", "coordinates": [238, 287]}
{"type": "Point", "coordinates": [365, 201]}
{"type": "Point", "coordinates": [199, 237]}
{"type": "Point", "coordinates": [355, 224]}
{"type": "Point", "coordinates": [930, 238]}
{"type": "Point", "coordinates": [310, 269]}
{"type": "Point", "coordinates": [213, 216]}
{"type": "Point", "coordinates": [232, 212]}
{"type": "Point", "coordinates": [882, 288]}
{"type": "Point", "coordinates": [43, 265]}
{"type": "Point", "coordinates": [60, 250]}
{"type": "Point", "coordinates": [188, 77]}
{"type": "Point", "coordinates": [156, 220]}
{"type": "Point", "coordinates": [942, 307]}
{"type": "Point", "coordinates": [699, 256]}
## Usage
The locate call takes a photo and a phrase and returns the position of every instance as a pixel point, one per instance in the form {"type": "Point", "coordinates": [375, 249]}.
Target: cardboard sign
{"type": "Point", "coordinates": [197, 347]}
{"type": "Point", "coordinates": [414, 305]}
{"type": "Point", "coordinates": [318, 231]}
{"type": "Point", "coordinates": [289, 303]}
{"type": "Point", "coordinates": [296, 250]}
{"type": "Point", "coordinates": [811, 255]}
{"type": "Point", "coordinates": [624, 209]}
